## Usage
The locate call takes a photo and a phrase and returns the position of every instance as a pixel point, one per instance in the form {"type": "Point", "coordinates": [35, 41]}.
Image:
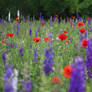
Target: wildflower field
{"type": "Point", "coordinates": [46, 56]}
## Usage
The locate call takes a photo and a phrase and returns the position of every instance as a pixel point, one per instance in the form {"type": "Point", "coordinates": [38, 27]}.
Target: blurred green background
{"type": "Point", "coordinates": [47, 7]}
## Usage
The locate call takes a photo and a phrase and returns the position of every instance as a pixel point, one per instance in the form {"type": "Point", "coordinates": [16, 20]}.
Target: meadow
{"type": "Point", "coordinates": [30, 62]}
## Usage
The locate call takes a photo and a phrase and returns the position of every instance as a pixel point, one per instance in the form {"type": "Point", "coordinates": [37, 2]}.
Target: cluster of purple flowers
{"type": "Point", "coordinates": [89, 58]}
{"type": "Point", "coordinates": [78, 78]}
{"type": "Point", "coordinates": [35, 55]}
{"type": "Point", "coordinates": [48, 61]}
{"type": "Point", "coordinates": [27, 86]}
{"type": "Point", "coordinates": [21, 52]}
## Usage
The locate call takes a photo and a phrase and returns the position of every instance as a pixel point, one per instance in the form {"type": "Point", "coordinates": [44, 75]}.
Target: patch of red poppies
{"type": "Point", "coordinates": [70, 23]}
{"type": "Point", "coordinates": [36, 39]}
{"type": "Point", "coordinates": [47, 39]}
{"type": "Point", "coordinates": [2, 41]}
{"type": "Point", "coordinates": [80, 24]}
{"type": "Point", "coordinates": [56, 15]}
{"type": "Point", "coordinates": [82, 30]}
{"type": "Point", "coordinates": [67, 71]}
{"type": "Point", "coordinates": [9, 34]}
{"type": "Point", "coordinates": [73, 17]}
{"type": "Point", "coordinates": [42, 23]}
{"type": "Point", "coordinates": [65, 32]}
{"type": "Point", "coordinates": [55, 80]}
{"type": "Point", "coordinates": [62, 37]}
{"type": "Point", "coordinates": [17, 19]}
{"type": "Point", "coordinates": [84, 43]}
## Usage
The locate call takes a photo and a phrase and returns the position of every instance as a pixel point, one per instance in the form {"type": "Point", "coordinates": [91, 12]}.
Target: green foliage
{"type": "Point", "coordinates": [48, 8]}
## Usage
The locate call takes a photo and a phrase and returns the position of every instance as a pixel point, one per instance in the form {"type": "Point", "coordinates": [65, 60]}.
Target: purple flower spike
{"type": "Point", "coordinates": [21, 52]}
{"type": "Point", "coordinates": [30, 31]}
{"type": "Point", "coordinates": [89, 58]}
{"type": "Point", "coordinates": [35, 55]}
{"type": "Point", "coordinates": [48, 61]}
{"type": "Point", "coordinates": [27, 86]}
{"type": "Point", "coordinates": [78, 76]}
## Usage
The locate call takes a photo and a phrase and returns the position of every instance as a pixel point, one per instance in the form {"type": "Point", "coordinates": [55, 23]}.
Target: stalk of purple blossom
{"type": "Point", "coordinates": [90, 28]}
{"type": "Point", "coordinates": [8, 79]}
{"type": "Point", "coordinates": [78, 78]}
{"type": "Point", "coordinates": [35, 55]}
{"type": "Point", "coordinates": [50, 36]}
{"type": "Point", "coordinates": [11, 45]}
{"type": "Point", "coordinates": [48, 61]}
{"type": "Point", "coordinates": [30, 31]}
{"type": "Point", "coordinates": [4, 58]}
{"type": "Point", "coordinates": [63, 21]}
{"type": "Point", "coordinates": [30, 46]}
{"type": "Point", "coordinates": [16, 45]}
{"type": "Point", "coordinates": [36, 34]}
{"type": "Point", "coordinates": [42, 18]}
{"type": "Point", "coordinates": [89, 22]}
{"type": "Point", "coordinates": [85, 34]}
{"type": "Point", "coordinates": [0, 20]}
{"type": "Point", "coordinates": [27, 86]}
{"type": "Point", "coordinates": [21, 52]}
{"type": "Point", "coordinates": [89, 58]}
{"type": "Point", "coordinates": [50, 23]}
{"type": "Point", "coordinates": [17, 29]}
{"type": "Point", "coordinates": [31, 19]}
{"type": "Point", "coordinates": [53, 18]}
{"type": "Point", "coordinates": [70, 39]}
{"type": "Point", "coordinates": [83, 20]}
{"type": "Point", "coordinates": [28, 18]}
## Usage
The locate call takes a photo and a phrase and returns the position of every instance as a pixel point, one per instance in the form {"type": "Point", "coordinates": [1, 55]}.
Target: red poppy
{"type": "Point", "coordinates": [67, 17]}
{"type": "Point", "coordinates": [46, 39]}
{"type": "Point", "coordinates": [62, 37]}
{"type": "Point", "coordinates": [56, 15]}
{"type": "Point", "coordinates": [56, 80]}
{"type": "Point", "coordinates": [67, 71]}
{"type": "Point", "coordinates": [36, 39]}
{"type": "Point", "coordinates": [70, 23]}
{"type": "Point", "coordinates": [67, 41]}
{"type": "Point", "coordinates": [84, 43]}
{"type": "Point", "coordinates": [73, 17]}
{"type": "Point", "coordinates": [9, 34]}
{"type": "Point", "coordinates": [42, 23]}
{"type": "Point", "coordinates": [2, 41]}
{"type": "Point", "coordinates": [80, 24]}
{"type": "Point", "coordinates": [65, 31]}
{"type": "Point", "coordinates": [17, 19]}
{"type": "Point", "coordinates": [82, 30]}
{"type": "Point", "coordinates": [89, 17]}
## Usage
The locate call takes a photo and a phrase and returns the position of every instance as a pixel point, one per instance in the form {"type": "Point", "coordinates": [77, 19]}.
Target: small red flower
{"type": "Point", "coordinates": [56, 80]}
{"type": "Point", "coordinates": [84, 43]}
{"type": "Point", "coordinates": [67, 17]}
{"type": "Point", "coordinates": [70, 23]}
{"type": "Point", "coordinates": [9, 34]}
{"type": "Point", "coordinates": [73, 17]}
{"type": "Point", "coordinates": [80, 24]}
{"type": "Point", "coordinates": [67, 41]}
{"type": "Point", "coordinates": [82, 30]}
{"type": "Point", "coordinates": [2, 41]}
{"type": "Point", "coordinates": [47, 39]}
{"type": "Point", "coordinates": [62, 37]}
{"type": "Point", "coordinates": [42, 23]}
{"type": "Point", "coordinates": [36, 39]}
{"type": "Point", "coordinates": [17, 19]}
{"type": "Point", "coordinates": [67, 71]}
{"type": "Point", "coordinates": [65, 32]}
{"type": "Point", "coordinates": [56, 15]}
